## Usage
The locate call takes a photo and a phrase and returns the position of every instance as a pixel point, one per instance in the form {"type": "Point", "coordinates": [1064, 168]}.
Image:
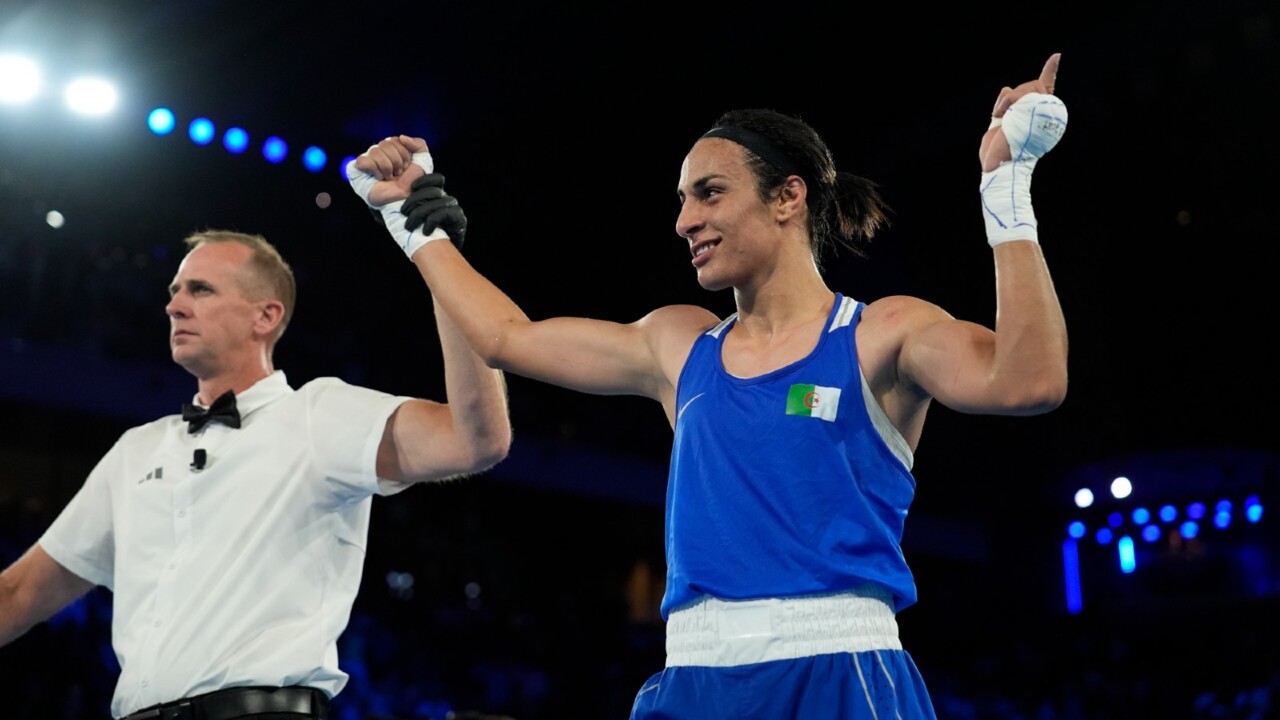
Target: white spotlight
{"type": "Point", "coordinates": [55, 219]}
{"type": "Point", "coordinates": [1084, 498]}
{"type": "Point", "coordinates": [19, 79]}
{"type": "Point", "coordinates": [1121, 488]}
{"type": "Point", "coordinates": [91, 96]}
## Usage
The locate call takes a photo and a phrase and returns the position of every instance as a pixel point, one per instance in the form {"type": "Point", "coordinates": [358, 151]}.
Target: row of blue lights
{"type": "Point", "coordinates": [1168, 514]}
{"type": "Point", "coordinates": [1127, 556]}
{"type": "Point", "coordinates": [202, 131]}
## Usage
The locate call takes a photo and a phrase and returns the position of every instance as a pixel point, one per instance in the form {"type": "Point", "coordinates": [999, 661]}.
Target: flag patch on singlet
{"type": "Point", "coordinates": [813, 401]}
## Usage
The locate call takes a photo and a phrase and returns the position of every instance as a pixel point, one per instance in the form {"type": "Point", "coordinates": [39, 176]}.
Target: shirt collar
{"type": "Point", "coordinates": [264, 391]}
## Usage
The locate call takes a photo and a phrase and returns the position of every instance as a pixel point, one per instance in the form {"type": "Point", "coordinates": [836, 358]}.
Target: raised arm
{"type": "Point", "coordinates": [595, 356]}
{"type": "Point", "coordinates": [1021, 367]}
{"type": "Point", "coordinates": [469, 433]}
{"type": "Point", "coordinates": [32, 589]}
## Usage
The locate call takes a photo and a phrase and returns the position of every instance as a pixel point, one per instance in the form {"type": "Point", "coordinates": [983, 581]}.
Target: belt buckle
{"type": "Point", "coordinates": [181, 710]}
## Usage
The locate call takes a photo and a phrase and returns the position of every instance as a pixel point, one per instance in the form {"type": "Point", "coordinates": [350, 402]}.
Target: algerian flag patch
{"type": "Point", "coordinates": [813, 401]}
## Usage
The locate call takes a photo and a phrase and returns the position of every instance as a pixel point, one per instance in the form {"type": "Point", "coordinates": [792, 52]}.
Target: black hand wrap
{"type": "Point", "coordinates": [429, 207]}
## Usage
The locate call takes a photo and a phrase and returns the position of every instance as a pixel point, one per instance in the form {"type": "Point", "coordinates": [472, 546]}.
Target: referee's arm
{"type": "Point", "coordinates": [32, 589]}
{"type": "Point", "coordinates": [469, 433]}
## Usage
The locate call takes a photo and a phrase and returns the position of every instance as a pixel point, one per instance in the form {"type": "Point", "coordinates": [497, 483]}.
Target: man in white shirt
{"type": "Point", "coordinates": [233, 535]}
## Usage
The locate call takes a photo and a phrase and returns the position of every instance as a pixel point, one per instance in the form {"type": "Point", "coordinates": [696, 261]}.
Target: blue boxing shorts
{"type": "Point", "coordinates": [872, 685]}
{"type": "Point", "coordinates": [828, 658]}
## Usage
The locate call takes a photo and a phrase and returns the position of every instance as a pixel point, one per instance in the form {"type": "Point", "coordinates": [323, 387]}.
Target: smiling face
{"type": "Point", "coordinates": [213, 326]}
{"type": "Point", "coordinates": [731, 231]}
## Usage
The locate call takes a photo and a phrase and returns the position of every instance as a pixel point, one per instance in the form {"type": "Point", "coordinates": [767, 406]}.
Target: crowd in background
{"type": "Point", "coordinates": [472, 610]}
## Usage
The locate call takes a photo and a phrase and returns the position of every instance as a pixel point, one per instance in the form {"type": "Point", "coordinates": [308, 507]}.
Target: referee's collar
{"type": "Point", "coordinates": [269, 388]}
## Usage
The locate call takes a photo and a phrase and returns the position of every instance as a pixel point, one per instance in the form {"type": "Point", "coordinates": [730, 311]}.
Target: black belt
{"type": "Point", "coordinates": [241, 702]}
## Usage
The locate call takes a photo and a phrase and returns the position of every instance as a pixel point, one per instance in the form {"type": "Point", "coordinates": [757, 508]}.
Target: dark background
{"type": "Point", "coordinates": [561, 130]}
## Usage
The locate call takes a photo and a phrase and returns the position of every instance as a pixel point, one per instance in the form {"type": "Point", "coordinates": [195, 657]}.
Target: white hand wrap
{"type": "Point", "coordinates": [409, 242]}
{"type": "Point", "coordinates": [1033, 126]}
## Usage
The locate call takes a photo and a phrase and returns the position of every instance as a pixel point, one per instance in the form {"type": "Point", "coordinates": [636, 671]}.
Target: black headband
{"type": "Point", "coordinates": [758, 144]}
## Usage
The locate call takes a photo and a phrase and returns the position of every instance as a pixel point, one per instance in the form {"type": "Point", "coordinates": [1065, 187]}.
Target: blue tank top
{"type": "Point", "coordinates": [790, 483]}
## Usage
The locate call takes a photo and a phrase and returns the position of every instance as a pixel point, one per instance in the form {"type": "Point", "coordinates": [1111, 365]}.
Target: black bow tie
{"type": "Point", "coordinates": [223, 409]}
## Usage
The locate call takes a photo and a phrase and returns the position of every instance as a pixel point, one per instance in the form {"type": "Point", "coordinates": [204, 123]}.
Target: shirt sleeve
{"type": "Point", "coordinates": [346, 425]}
{"type": "Point", "coordinates": [82, 537]}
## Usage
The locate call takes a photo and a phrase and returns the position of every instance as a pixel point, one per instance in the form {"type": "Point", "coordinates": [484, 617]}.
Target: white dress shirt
{"type": "Point", "coordinates": [243, 572]}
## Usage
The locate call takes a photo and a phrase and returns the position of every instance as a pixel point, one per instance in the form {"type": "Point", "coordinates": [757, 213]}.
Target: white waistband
{"type": "Point", "coordinates": [722, 633]}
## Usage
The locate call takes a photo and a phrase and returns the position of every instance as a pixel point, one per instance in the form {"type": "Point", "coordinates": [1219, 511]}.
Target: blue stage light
{"type": "Point", "coordinates": [1222, 519]}
{"type": "Point", "coordinates": [1128, 558]}
{"type": "Point", "coordinates": [275, 149]}
{"type": "Point", "coordinates": [342, 168]}
{"type": "Point", "coordinates": [1252, 509]}
{"type": "Point", "coordinates": [1151, 533]}
{"type": "Point", "coordinates": [313, 158]}
{"type": "Point", "coordinates": [201, 131]}
{"type": "Point", "coordinates": [1190, 529]}
{"type": "Point", "coordinates": [235, 140]}
{"type": "Point", "coordinates": [161, 121]}
{"type": "Point", "coordinates": [1071, 575]}
{"type": "Point", "coordinates": [1076, 529]}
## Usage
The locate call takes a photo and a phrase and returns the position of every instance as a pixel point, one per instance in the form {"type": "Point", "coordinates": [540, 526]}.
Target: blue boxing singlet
{"type": "Point", "coordinates": [790, 483]}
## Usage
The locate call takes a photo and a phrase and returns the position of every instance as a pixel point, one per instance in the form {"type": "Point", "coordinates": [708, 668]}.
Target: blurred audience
{"type": "Point", "coordinates": [504, 648]}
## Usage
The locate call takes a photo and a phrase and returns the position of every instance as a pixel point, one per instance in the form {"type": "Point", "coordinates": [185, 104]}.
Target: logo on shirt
{"type": "Point", "coordinates": [813, 401]}
{"type": "Point", "coordinates": [687, 404]}
{"type": "Point", "coordinates": [157, 474]}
